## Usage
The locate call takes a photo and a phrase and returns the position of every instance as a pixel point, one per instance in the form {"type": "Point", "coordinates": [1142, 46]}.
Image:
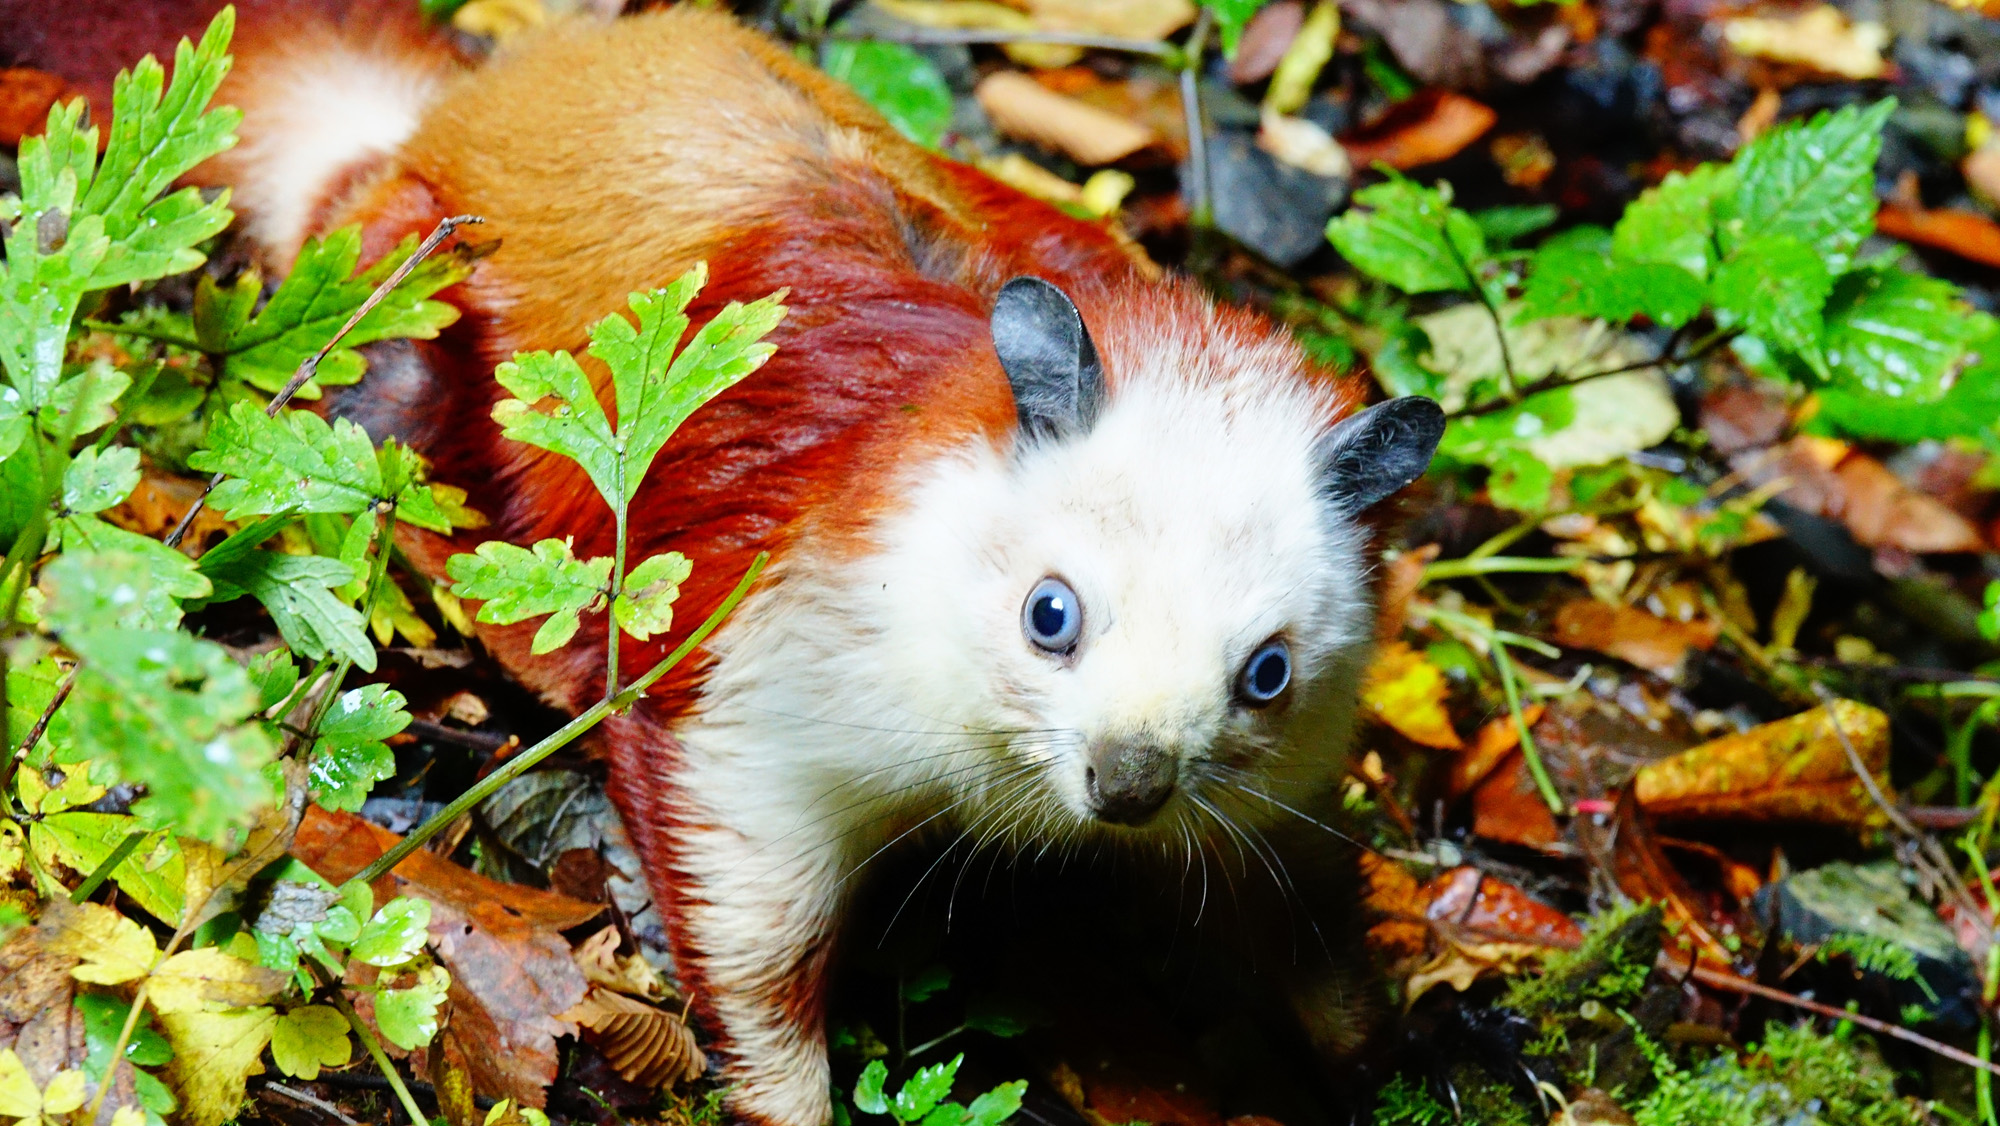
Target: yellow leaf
{"type": "Point", "coordinates": [12, 851]}
{"type": "Point", "coordinates": [1821, 38]}
{"type": "Point", "coordinates": [209, 978]}
{"type": "Point", "coordinates": [19, 1097]}
{"type": "Point", "coordinates": [310, 1038]}
{"type": "Point", "coordinates": [64, 1092]}
{"type": "Point", "coordinates": [1407, 692]}
{"type": "Point", "coordinates": [1794, 769]}
{"type": "Point", "coordinates": [128, 1115]}
{"type": "Point", "coordinates": [111, 947]}
{"type": "Point", "coordinates": [214, 1055]}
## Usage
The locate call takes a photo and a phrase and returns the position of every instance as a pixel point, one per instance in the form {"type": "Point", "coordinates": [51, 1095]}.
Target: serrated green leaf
{"type": "Point", "coordinates": [646, 605]}
{"type": "Point", "coordinates": [868, 1096]}
{"type": "Point", "coordinates": [295, 462]}
{"type": "Point", "coordinates": [1410, 237]}
{"type": "Point", "coordinates": [153, 877]}
{"type": "Point", "coordinates": [924, 1089]}
{"type": "Point", "coordinates": [1673, 223]}
{"type": "Point", "coordinates": [309, 1038]}
{"type": "Point", "coordinates": [31, 688]}
{"type": "Point", "coordinates": [1775, 286]}
{"type": "Point", "coordinates": [1575, 274]}
{"type": "Point", "coordinates": [319, 293]}
{"type": "Point", "coordinates": [517, 584]}
{"type": "Point", "coordinates": [395, 935]}
{"type": "Point", "coordinates": [84, 402]}
{"type": "Point", "coordinates": [275, 673]}
{"type": "Point", "coordinates": [298, 590]}
{"type": "Point", "coordinates": [901, 84]}
{"type": "Point", "coordinates": [106, 579]}
{"type": "Point", "coordinates": [96, 480]}
{"type": "Point", "coordinates": [1898, 334]}
{"type": "Point", "coordinates": [408, 1017]}
{"type": "Point", "coordinates": [1971, 407]}
{"type": "Point", "coordinates": [996, 1106]}
{"type": "Point", "coordinates": [1811, 181]}
{"type": "Point", "coordinates": [350, 756]}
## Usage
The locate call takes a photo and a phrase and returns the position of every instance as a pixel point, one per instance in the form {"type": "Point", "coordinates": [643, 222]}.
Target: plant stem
{"type": "Point", "coordinates": [34, 735]}
{"type": "Point", "coordinates": [1530, 753]}
{"type": "Point", "coordinates": [154, 334]}
{"type": "Point", "coordinates": [382, 1060]}
{"type": "Point", "coordinates": [1201, 192]}
{"type": "Point", "coordinates": [1498, 565]}
{"type": "Point", "coordinates": [310, 366]}
{"type": "Point", "coordinates": [611, 605]}
{"type": "Point", "coordinates": [562, 737]}
{"type": "Point", "coordinates": [103, 871]}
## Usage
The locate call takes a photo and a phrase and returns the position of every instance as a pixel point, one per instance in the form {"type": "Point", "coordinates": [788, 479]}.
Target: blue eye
{"type": "Point", "coordinates": [1266, 674]}
{"type": "Point", "coordinates": [1052, 618]}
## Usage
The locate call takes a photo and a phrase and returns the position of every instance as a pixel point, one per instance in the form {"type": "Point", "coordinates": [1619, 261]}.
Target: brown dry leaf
{"type": "Point", "coordinates": [511, 971]}
{"type": "Point", "coordinates": [1487, 926]}
{"type": "Point", "coordinates": [158, 503]}
{"type": "Point", "coordinates": [1981, 169]}
{"type": "Point", "coordinates": [1653, 643]}
{"type": "Point", "coordinates": [1400, 580]}
{"type": "Point", "coordinates": [1592, 1107]}
{"type": "Point", "coordinates": [1643, 872]}
{"type": "Point", "coordinates": [39, 1023]}
{"type": "Point", "coordinates": [1794, 769]}
{"type": "Point", "coordinates": [1023, 108]}
{"type": "Point", "coordinates": [1821, 39]}
{"type": "Point", "coordinates": [1762, 114]}
{"type": "Point", "coordinates": [644, 1043]}
{"type": "Point", "coordinates": [1395, 898]}
{"type": "Point", "coordinates": [598, 958]}
{"type": "Point", "coordinates": [1430, 126]}
{"type": "Point", "coordinates": [1148, 101]}
{"type": "Point", "coordinates": [1265, 39]}
{"type": "Point", "coordinates": [1303, 144]}
{"type": "Point", "coordinates": [1967, 234]}
{"type": "Point", "coordinates": [451, 1082]}
{"type": "Point", "coordinates": [25, 98]}
{"type": "Point", "coordinates": [1491, 744]}
{"type": "Point", "coordinates": [1829, 478]}
{"type": "Point", "coordinates": [983, 15]}
{"type": "Point", "coordinates": [1404, 690]}
{"type": "Point", "coordinates": [1128, 19]}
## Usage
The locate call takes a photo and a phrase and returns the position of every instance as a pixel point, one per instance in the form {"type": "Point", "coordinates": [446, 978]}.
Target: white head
{"type": "Point", "coordinates": [1162, 590]}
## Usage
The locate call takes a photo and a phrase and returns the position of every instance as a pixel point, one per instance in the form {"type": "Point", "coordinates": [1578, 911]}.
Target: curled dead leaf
{"type": "Point", "coordinates": [1826, 477]}
{"type": "Point", "coordinates": [1023, 108]}
{"type": "Point", "coordinates": [1486, 926]}
{"type": "Point", "coordinates": [1643, 872]}
{"type": "Point", "coordinates": [1494, 741]}
{"type": "Point", "coordinates": [1430, 126]}
{"type": "Point", "coordinates": [1406, 692]}
{"type": "Point", "coordinates": [598, 958]}
{"type": "Point", "coordinates": [1795, 769]}
{"type": "Point", "coordinates": [646, 1044]}
{"type": "Point", "coordinates": [1653, 643]}
{"type": "Point", "coordinates": [1821, 39]}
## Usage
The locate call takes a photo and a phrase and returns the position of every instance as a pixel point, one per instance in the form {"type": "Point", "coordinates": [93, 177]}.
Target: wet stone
{"type": "Point", "coordinates": [1276, 210]}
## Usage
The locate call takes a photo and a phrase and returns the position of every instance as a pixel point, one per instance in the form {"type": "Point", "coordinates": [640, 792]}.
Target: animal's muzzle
{"type": "Point", "coordinates": [1129, 782]}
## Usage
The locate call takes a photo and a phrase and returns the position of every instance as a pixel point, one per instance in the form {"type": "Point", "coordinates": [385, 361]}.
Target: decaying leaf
{"type": "Point", "coordinates": [109, 947]}
{"type": "Point", "coordinates": [1407, 692]}
{"type": "Point", "coordinates": [1021, 107]}
{"type": "Point", "coordinates": [1967, 234]}
{"type": "Point", "coordinates": [645, 1043]}
{"type": "Point", "coordinates": [1829, 478]}
{"type": "Point", "coordinates": [1486, 926]}
{"type": "Point", "coordinates": [511, 971]}
{"type": "Point", "coordinates": [1644, 873]}
{"type": "Point", "coordinates": [25, 98]}
{"type": "Point", "coordinates": [1653, 643]}
{"type": "Point", "coordinates": [1795, 769]}
{"type": "Point", "coordinates": [210, 979]}
{"type": "Point", "coordinates": [215, 1054]}
{"type": "Point", "coordinates": [1821, 38]}
{"type": "Point", "coordinates": [598, 958]}
{"type": "Point", "coordinates": [1432, 126]}
{"type": "Point", "coordinates": [1491, 744]}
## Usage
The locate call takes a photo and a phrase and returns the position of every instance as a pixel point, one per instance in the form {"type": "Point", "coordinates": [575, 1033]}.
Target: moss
{"type": "Point", "coordinates": [1798, 1076]}
{"type": "Point", "coordinates": [1482, 1101]}
{"type": "Point", "coordinates": [1610, 967]}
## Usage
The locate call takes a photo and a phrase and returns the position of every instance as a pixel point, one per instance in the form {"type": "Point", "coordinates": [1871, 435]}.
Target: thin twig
{"type": "Point", "coordinates": [35, 733]}
{"type": "Point", "coordinates": [1716, 979]}
{"type": "Point", "coordinates": [1666, 359]}
{"type": "Point", "coordinates": [310, 1100]}
{"type": "Point", "coordinates": [1201, 186]}
{"type": "Point", "coordinates": [306, 370]}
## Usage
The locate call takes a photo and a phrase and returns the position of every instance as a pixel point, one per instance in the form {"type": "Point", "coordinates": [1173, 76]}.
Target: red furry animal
{"type": "Point", "coordinates": [1063, 555]}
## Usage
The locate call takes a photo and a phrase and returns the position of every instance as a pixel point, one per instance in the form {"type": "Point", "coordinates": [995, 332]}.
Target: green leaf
{"type": "Point", "coordinates": [408, 1017]}
{"type": "Point", "coordinates": [518, 584]}
{"type": "Point", "coordinates": [85, 840]}
{"type": "Point", "coordinates": [1899, 334]}
{"type": "Point", "coordinates": [350, 756]}
{"type": "Point", "coordinates": [924, 1089]}
{"type": "Point", "coordinates": [1508, 224]}
{"type": "Point", "coordinates": [901, 84]}
{"type": "Point", "coordinates": [96, 480]}
{"type": "Point", "coordinates": [1812, 181]}
{"type": "Point", "coordinates": [275, 674]}
{"type": "Point", "coordinates": [31, 688]}
{"type": "Point", "coordinates": [996, 1106]}
{"type": "Point", "coordinates": [319, 293]}
{"type": "Point", "coordinates": [100, 582]}
{"type": "Point", "coordinates": [295, 462]}
{"type": "Point", "coordinates": [103, 1019]}
{"type": "Point", "coordinates": [1775, 286]}
{"type": "Point", "coordinates": [1231, 17]}
{"type": "Point", "coordinates": [1673, 223]}
{"type": "Point", "coordinates": [646, 605]}
{"type": "Point", "coordinates": [170, 712]}
{"type": "Point", "coordinates": [1575, 274]}
{"type": "Point", "coordinates": [84, 402]}
{"type": "Point", "coordinates": [926, 984]}
{"type": "Point", "coordinates": [1970, 407]}
{"type": "Point", "coordinates": [309, 1038]}
{"type": "Point", "coordinates": [1410, 237]}
{"type": "Point", "coordinates": [298, 590]}
{"type": "Point", "coordinates": [1521, 482]}
{"type": "Point", "coordinates": [868, 1097]}
{"type": "Point", "coordinates": [396, 934]}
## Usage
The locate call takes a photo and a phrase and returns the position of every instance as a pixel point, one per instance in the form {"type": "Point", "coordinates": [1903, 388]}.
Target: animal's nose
{"type": "Point", "coordinates": [1128, 782]}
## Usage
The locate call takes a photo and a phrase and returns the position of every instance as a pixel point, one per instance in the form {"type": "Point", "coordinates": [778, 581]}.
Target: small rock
{"type": "Point", "coordinates": [1874, 900]}
{"type": "Point", "coordinates": [1270, 207]}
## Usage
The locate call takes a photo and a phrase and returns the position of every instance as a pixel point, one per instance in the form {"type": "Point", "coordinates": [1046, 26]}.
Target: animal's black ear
{"type": "Point", "coordinates": [1049, 359]}
{"type": "Point", "coordinates": [1369, 455]}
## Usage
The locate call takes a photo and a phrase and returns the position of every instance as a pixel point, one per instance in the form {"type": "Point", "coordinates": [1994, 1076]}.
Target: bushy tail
{"type": "Point", "coordinates": [328, 88]}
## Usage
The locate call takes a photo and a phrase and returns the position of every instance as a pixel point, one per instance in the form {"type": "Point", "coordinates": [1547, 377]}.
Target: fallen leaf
{"type": "Point", "coordinates": [210, 979]}
{"type": "Point", "coordinates": [1127, 19]}
{"type": "Point", "coordinates": [1425, 128]}
{"type": "Point", "coordinates": [644, 1043]}
{"type": "Point", "coordinates": [1023, 108]}
{"type": "Point", "coordinates": [499, 19]}
{"type": "Point", "coordinates": [1302, 144]}
{"type": "Point", "coordinates": [1401, 577]}
{"type": "Point", "coordinates": [1405, 691]}
{"type": "Point", "coordinates": [25, 98]}
{"type": "Point", "coordinates": [1643, 872]}
{"type": "Point", "coordinates": [1024, 175]}
{"type": "Point", "coordinates": [1592, 1107]}
{"type": "Point", "coordinates": [1265, 39]}
{"type": "Point", "coordinates": [1298, 72]}
{"type": "Point", "coordinates": [1762, 114]}
{"type": "Point", "coordinates": [1494, 741]}
{"type": "Point", "coordinates": [215, 1054]}
{"type": "Point", "coordinates": [511, 970]}
{"type": "Point", "coordinates": [1395, 899]}
{"type": "Point", "coordinates": [983, 15]}
{"type": "Point", "coordinates": [1509, 808]}
{"type": "Point", "coordinates": [1821, 38]}
{"type": "Point", "coordinates": [1967, 234]}
{"type": "Point", "coordinates": [1653, 643]}
{"type": "Point", "coordinates": [1827, 477]}
{"type": "Point", "coordinates": [1794, 769]}
{"type": "Point", "coordinates": [110, 947]}
{"type": "Point", "coordinates": [1487, 926]}
{"type": "Point", "coordinates": [598, 958]}
{"type": "Point", "coordinates": [308, 1038]}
